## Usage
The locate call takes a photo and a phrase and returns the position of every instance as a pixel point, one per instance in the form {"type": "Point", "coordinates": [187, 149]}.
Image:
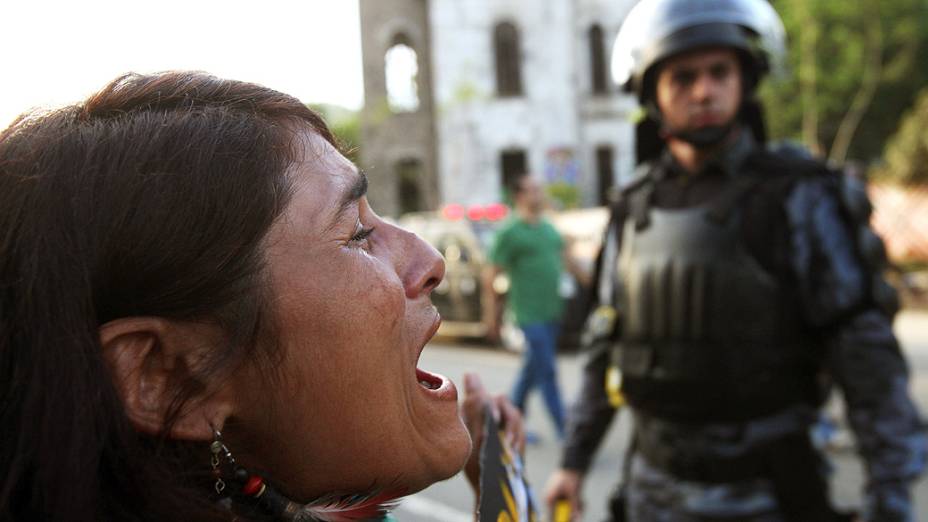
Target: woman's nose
{"type": "Point", "coordinates": [422, 266]}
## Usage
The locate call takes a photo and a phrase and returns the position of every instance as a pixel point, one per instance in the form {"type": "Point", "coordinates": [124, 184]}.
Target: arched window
{"type": "Point", "coordinates": [401, 65]}
{"type": "Point", "coordinates": [508, 62]}
{"type": "Point", "coordinates": [597, 60]}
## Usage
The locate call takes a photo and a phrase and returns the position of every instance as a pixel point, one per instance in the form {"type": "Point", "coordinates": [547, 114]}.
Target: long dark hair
{"type": "Point", "coordinates": [150, 198]}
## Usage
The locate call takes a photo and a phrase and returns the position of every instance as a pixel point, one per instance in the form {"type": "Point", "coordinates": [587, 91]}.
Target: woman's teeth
{"type": "Point", "coordinates": [427, 380]}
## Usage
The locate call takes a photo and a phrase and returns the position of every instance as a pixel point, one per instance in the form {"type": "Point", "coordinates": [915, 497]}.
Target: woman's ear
{"type": "Point", "coordinates": [153, 360]}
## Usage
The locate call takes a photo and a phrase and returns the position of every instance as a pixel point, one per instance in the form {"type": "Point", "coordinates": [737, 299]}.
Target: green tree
{"type": "Point", "coordinates": [906, 158]}
{"type": "Point", "coordinates": [855, 69]}
{"type": "Point", "coordinates": [346, 125]}
{"type": "Point", "coordinates": [565, 195]}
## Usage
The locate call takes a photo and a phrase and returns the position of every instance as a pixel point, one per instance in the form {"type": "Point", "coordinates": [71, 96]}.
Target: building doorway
{"type": "Point", "coordinates": [408, 181]}
{"type": "Point", "coordinates": [512, 164]}
{"type": "Point", "coordinates": [604, 172]}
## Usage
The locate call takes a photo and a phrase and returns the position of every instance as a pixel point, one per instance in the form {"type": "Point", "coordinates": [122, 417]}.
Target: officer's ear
{"type": "Point", "coordinates": [157, 364]}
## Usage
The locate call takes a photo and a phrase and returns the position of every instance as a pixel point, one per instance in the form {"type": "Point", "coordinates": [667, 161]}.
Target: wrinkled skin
{"type": "Point", "coordinates": [344, 410]}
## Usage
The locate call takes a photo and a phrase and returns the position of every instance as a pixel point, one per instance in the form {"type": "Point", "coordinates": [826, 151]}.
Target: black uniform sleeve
{"type": "Point", "coordinates": [592, 414]}
{"type": "Point", "coordinates": [866, 363]}
{"type": "Point", "coordinates": [863, 356]}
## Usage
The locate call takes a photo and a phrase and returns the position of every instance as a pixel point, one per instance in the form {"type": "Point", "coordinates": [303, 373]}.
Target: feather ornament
{"type": "Point", "coordinates": [350, 508]}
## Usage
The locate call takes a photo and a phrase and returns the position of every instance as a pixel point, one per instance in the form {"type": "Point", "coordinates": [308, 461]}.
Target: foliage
{"type": "Point", "coordinates": [565, 195]}
{"type": "Point", "coordinates": [346, 125]}
{"type": "Point", "coordinates": [906, 159]}
{"type": "Point", "coordinates": [831, 58]}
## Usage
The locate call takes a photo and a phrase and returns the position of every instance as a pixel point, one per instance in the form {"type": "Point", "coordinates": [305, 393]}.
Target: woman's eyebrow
{"type": "Point", "coordinates": [359, 189]}
{"type": "Point", "coordinates": [354, 192]}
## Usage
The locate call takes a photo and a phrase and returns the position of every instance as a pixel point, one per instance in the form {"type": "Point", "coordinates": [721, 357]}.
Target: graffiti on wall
{"type": "Point", "coordinates": [561, 166]}
{"type": "Point", "coordinates": [562, 175]}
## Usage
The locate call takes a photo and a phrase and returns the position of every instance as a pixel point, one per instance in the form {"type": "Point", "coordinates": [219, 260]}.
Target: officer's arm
{"type": "Point", "coordinates": [591, 415]}
{"type": "Point", "coordinates": [865, 360]}
{"type": "Point", "coordinates": [863, 356]}
{"type": "Point", "coordinates": [588, 421]}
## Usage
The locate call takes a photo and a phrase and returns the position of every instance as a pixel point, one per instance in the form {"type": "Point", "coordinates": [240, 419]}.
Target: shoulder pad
{"type": "Point", "coordinates": [773, 163]}
{"type": "Point", "coordinates": [850, 193]}
{"type": "Point", "coordinates": [854, 198]}
{"type": "Point", "coordinates": [790, 149]}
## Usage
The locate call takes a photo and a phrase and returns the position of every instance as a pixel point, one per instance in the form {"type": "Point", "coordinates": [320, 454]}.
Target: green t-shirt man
{"type": "Point", "coordinates": [530, 254]}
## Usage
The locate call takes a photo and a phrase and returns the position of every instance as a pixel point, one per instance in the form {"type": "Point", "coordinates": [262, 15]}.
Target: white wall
{"type": "Point", "coordinates": [474, 125]}
{"type": "Point", "coordinates": [606, 120]}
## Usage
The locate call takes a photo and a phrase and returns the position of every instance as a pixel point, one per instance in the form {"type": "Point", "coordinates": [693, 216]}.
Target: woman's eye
{"type": "Point", "coordinates": [362, 233]}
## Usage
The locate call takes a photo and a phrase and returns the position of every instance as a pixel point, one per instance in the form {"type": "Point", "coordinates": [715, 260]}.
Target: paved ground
{"type": "Point", "coordinates": [452, 500]}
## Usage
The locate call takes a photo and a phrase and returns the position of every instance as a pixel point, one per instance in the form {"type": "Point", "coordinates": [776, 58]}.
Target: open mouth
{"type": "Point", "coordinates": [428, 380]}
{"type": "Point", "coordinates": [433, 385]}
{"type": "Point", "coordinates": [436, 387]}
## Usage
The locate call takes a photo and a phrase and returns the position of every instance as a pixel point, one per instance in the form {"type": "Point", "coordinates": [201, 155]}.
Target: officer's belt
{"type": "Point", "coordinates": [690, 464]}
{"type": "Point", "coordinates": [702, 468]}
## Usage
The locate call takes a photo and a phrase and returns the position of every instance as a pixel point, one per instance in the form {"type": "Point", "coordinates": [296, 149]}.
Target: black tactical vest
{"type": "Point", "coordinates": [707, 334]}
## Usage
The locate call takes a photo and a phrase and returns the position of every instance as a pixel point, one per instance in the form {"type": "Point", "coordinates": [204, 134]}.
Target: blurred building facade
{"type": "Point", "coordinates": [460, 95]}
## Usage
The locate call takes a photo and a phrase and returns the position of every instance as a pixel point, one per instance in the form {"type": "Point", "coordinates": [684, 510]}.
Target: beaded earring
{"type": "Point", "coordinates": [251, 489]}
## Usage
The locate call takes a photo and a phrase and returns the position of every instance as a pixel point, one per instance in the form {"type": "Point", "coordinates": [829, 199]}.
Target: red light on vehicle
{"type": "Point", "coordinates": [453, 212]}
{"type": "Point", "coordinates": [476, 213]}
{"type": "Point", "coordinates": [496, 211]}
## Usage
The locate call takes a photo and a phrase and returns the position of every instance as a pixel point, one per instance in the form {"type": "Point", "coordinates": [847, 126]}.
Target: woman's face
{"type": "Point", "coordinates": [346, 408]}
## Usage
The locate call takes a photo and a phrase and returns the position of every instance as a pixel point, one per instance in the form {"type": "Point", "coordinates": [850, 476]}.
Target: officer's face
{"type": "Point", "coordinates": [699, 89]}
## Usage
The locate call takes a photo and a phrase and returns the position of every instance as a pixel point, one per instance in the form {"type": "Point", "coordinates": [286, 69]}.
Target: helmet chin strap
{"type": "Point", "coordinates": [702, 138]}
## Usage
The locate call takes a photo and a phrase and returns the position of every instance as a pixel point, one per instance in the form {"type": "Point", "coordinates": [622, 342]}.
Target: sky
{"type": "Point", "coordinates": [59, 52]}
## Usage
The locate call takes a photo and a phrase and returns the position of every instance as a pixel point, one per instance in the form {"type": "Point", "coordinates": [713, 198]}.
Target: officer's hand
{"type": "Point", "coordinates": [565, 484]}
{"type": "Point", "coordinates": [507, 416]}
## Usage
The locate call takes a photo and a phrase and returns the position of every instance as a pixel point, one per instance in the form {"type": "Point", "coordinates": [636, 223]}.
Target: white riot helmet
{"type": "Point", "coordinates": [658, 29]}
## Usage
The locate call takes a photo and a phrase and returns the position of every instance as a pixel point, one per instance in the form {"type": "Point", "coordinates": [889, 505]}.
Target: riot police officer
{"type": "Point", "coordinates": [736, 285]}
